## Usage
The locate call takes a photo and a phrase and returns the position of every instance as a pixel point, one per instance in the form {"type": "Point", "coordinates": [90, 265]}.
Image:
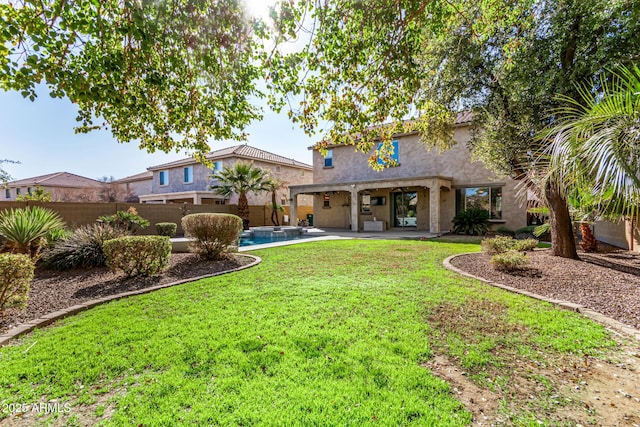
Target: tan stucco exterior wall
{"type": "Point", "coordinates": [415, 161]}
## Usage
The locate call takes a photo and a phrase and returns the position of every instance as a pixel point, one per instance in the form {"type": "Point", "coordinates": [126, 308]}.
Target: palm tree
{"type": "Point", "coordinates": [596, 144]}
{"type": "Point", "coordinates": [240, 179]}
{"type": "Point", "coordinates": [273, 185]}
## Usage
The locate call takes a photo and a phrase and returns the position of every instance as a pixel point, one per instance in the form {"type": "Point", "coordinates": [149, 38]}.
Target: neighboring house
{"type": "Point", "coordinates": [135, 185]}
{"type": "Point", "coordinates": [423, 192]}
{"type": "Point", "coordinates": [63, 186]}
{"type": "Point", "coordinates": [188, 181]}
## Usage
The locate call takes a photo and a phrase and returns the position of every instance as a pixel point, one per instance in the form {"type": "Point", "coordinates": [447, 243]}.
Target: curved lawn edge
{"type": "Point", "coordinates": [609, 322]}
{"type": "Point", "coordinates": [49, 318]}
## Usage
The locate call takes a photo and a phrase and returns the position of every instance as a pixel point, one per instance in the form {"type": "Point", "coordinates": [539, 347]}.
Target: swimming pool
{"type": "Point", "coordinates": [260, 240]}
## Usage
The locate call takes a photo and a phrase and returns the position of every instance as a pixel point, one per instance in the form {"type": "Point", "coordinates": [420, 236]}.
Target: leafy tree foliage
{"type": "Point", "coordinates": [4, 175]}
{"type": "Point", "coordinates": [371, 62]}
{"type": "Point", "coordinates": [169, 74]}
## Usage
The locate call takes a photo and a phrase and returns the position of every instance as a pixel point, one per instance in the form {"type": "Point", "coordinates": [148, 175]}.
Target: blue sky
{"type": "Point", "coordinates": [40, 136]}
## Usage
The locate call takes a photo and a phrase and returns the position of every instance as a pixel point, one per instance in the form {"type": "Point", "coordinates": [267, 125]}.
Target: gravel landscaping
{"type": "Point", "coordinates": [54, 290]}
{"type": "Point", "coordinates": [613, 293]}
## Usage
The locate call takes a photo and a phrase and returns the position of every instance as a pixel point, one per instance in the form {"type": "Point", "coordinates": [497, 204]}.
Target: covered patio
{"type": "Point", "coordinates": [360, 203]}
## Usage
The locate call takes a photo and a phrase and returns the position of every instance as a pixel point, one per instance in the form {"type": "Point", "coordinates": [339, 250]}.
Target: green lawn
{"type": "Point", "coordinates": [326, 333]}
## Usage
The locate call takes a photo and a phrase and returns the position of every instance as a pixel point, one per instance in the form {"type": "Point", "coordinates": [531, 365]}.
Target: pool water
{"type": "Point", "coordinates": [249, 240]}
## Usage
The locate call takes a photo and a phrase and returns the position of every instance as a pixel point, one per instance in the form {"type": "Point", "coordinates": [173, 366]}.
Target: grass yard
{"type": "Point", "coordinates": [326, 333]}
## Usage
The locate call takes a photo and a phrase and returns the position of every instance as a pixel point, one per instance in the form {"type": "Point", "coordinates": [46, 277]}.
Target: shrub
{"type": "Point", "coordinates": [473, 222]}
{"type": "Point", "coordinates": [503, 244]}
{"type": "Point", "coordinates": [497, 245]}
{"type": "Point", "coordinates": [505, 231]}
{"type": "Point", "coordinates": [138, 255]}
{"type": "Point", "coordinates": [216, 235]}
{"type": "Point", "coordinates": [16, 272]}
{"type": "Point", "coordinates": [82, 249]}
{"type": "Point", "coordinates": [128, 220]}
{"type": "Point", "coordinates": [166, 228]}
{"type": "Point", "coordinates": [509, 261]}
{"type": "Point", "coordinates": [26, 229]}
{"type": "Point", "coordinates": [525, 245]}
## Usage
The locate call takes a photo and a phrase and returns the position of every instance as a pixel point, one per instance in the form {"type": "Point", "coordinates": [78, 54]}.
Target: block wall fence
{"type": "Point", "coordinates": [77, 214]}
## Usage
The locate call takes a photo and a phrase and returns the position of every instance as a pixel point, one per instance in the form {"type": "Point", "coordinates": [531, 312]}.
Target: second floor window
{"type": "Point", "coordinates": [188, 175]}
{"type": "Point", "coordinates": [393, 156]}
{"type": "Point", "coordinates": [328, 159]}
{"type": "Point", "coordinates": [217, 167]}
{"type": "Point", "coordinates": [164, 177]}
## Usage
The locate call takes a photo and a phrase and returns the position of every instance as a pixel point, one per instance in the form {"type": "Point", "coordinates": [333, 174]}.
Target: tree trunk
{"type": "Point", "coordinates": [274, 209]}
{"type": "Point", "coordinates": [243, 210]}
{"type": "Point", "coordinates": [589, 242]}
{"type": "Point", "coordinates": [562, 241]}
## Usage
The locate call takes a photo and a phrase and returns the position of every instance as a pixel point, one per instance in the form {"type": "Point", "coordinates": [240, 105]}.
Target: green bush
{"type": "Point", "coordinates": [216, 235]}
{"type": "Point", "coordinates": [82, 249]}
{"type": "Point", "coordinates": [26, 229]}
{"type": "Point", "coordinates": [138, 255]}
{"type": "Point", "coordinates": [525, 245]}
{"type": "Point", "coordinates": [16, 272]}
{"type": "Point", "coordinates": [473, 222]}
{"type": "Point", "coordinates": [505, 231]}
{"type": "Point", "coordinates": [509, 261]}
{"type": "Point", "coordinates": [128, 220]}
{"type": "Point", "coordinates": [497, 245]}
{"type": "Point", "coordinates": [166, 228]}
{"type": "Point", "coordinates": [503, 244]}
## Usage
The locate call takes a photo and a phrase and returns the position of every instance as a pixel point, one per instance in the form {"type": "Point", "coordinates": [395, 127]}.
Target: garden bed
{"type": "Point", "coordinates": [54, 290]}
{"type": "Point", "coordinates": [613, 293]}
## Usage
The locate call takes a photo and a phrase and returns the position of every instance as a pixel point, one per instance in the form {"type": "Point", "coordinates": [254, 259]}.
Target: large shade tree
{"type": "Point", "coordinates": [241, 178]}
{"type": "Point", "coordinates": [168, 74]}
{"type": "Point", "coordinates": [368, 63]}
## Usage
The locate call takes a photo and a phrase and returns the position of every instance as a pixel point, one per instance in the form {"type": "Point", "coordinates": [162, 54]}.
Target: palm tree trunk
{"type": "Point", "coordinates": [562, 242]}
{"type": "Point", "coordinates": [243, 210]}
{"type": "Point", "coordinates": [274, 210]}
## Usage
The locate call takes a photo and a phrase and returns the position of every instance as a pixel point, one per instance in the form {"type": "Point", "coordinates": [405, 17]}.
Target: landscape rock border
{"type": "Point", "coordinates": [608, 322]}
{"type": "Point", "coordinates": [48, 319]}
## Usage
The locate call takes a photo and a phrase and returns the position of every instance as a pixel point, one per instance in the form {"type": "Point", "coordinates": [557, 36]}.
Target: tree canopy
{"type": "Point", "coordinates": [370, 63]}
{"type": "Point", "coordinates": [167, 74]}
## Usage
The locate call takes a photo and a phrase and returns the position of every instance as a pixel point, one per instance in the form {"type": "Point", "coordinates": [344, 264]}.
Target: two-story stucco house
{"type": "Point", "coordinates": [63, 187]}
{"type": "Point", "coordinates": [423, 192]}
{"type": "Point", "coordinates": [190, 181]}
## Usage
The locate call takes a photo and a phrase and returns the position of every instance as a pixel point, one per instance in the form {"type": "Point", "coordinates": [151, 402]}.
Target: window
{"type": "Point", "coordinates": [277, 168]}
{"type": "Point", "coordinates": [164, 177]}
{"type": "Point", "coordinates": [326, 201]}
{"type": "Point", "coordinates": [283, 201]}
{"type": "Point", "coordinates": [7, 193]}
{"type": "Point", "coordinates": [301, 173]}
{"type": "Point", "coordinates": [328, 159]}
{"type": "Point", "coordinates": [18, 191]}
{"type": "Point", "coordinates": [486, 198]}
{"type": "Point", "coordinates": [188, 175]}
{"type": "Point", "coordinates": [29, 191]}
{"type": "Point", "coordinates": [393, 156]}
{"type": "Point", "coordinates": [217, 167]}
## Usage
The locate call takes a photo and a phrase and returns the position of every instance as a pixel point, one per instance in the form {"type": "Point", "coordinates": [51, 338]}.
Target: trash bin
{"type": "Point", "coordinates": [310, 219]}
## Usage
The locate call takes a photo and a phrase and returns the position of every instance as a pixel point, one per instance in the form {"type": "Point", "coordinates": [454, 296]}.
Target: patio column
{"type": "Point", "coordinates": [434, 209]}
{"type": "Point", "coordinates": [293, 209]}
{"type": "Point", "coordinates": [354, 209]}
{"type": "Point", "coordinates": [197, 199]}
